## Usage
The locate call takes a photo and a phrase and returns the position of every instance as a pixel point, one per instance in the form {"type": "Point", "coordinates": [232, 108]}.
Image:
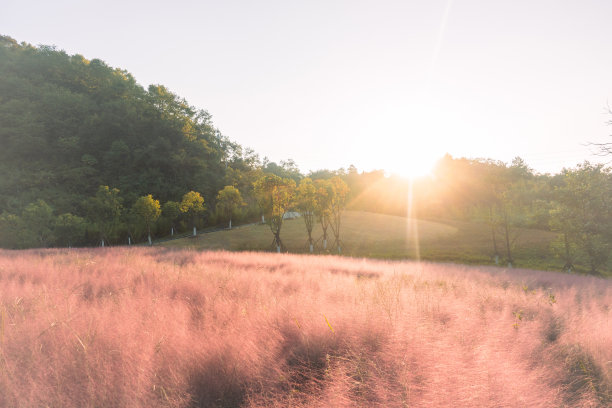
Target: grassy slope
{"type": "Point", "coordinates": [151, 327]}
{"type": "Point", "coordinates": [390, 237]}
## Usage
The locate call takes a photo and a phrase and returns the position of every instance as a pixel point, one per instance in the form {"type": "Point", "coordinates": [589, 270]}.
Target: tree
{"type": "Point", "coordinates": [262, 190]}
{"type": "Point", "coordinates": [489, 201]}
{"type": "Point", "coordinates": [604, 149]}
{"type": "Point", "coordinates": [513, 203]}
{"type": "Point", "coordinates": [104, 212]}
{"type": "Point", "coordinates": [229, 201]}
{"type": "Point", "coordinates": [338, 202]}
{"type": "Point", "coordinates": [148, 211]}
{"type": "Point", "coordinates": [10, 231]}
{"type": "Point", "coordinates": [583, 214]}
{"type": "Point", "coordinates": [286, 169]}
{"type": "Point", "coordinates": [38, 222]}
{"type": "Point", "coordinates": [323, 208]}
{"type": "Point", "coordinates": [306, 203]}
{"type": "Point", "coordinates": [69, 229]}
{"type": "Point", "coordinates": [171, 211]}
{"type": "Point", "coordinates": [130, 222]}
{"type": "Point", "coordinates": [502, 195]}
{"type": "Point", "coordinates": [192, 205]}
{"type": "Point", "coordinates": [562, 222]}
{"type": "Point", "coordinates": [275, 196]}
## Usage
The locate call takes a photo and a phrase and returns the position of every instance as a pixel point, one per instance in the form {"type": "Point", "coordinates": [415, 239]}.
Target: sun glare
{"type": "Point", "coordinates": [411, 163]}
{"type": "Point", "coordinates": [409, 147]}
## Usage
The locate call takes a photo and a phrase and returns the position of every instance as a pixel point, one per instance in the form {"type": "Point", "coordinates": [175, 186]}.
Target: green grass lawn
{"type": "Point", "coordinates": [373, 235]}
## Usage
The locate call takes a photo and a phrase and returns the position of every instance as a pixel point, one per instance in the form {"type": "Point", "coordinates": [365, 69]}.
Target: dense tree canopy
{"type": "Point", "coordinates": [69, 125]}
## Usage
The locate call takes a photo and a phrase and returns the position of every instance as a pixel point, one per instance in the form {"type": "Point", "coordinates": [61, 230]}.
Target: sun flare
{"type": "Point", "coordinates": [412, 163]}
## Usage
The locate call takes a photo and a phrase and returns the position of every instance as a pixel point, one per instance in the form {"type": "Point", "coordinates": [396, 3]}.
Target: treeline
{"type": "Point", "coordinates": [576, 204]}
{"type": "Point", "coordinates": [108, 221]}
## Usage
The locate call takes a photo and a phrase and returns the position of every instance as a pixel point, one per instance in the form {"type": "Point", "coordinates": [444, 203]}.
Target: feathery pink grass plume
{"type": "Point", "coordinates": [156, 328]}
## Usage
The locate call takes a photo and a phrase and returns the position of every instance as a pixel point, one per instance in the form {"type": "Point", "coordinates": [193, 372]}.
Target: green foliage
{"type": "Point", "coordinates": [229, 201]}
{"type": "Point", "coordinates": [274, 197]}
{"type": "Point", "coordinates": [68, 125]}
{"type": "Point", "coordinates": [262, 189]}
{"type": "Point", "coordinates": [171, 211]}
{"type": "Point", "coordinates": [306, 196]}
{"type": "Point", "coordinates": [192, 205]}
{"type": "Point", "coordinates": [306, 200]}
{"type": "Point", "coordinates": [323, 207]}
{"type": "Point", "coordinates": [70, 229]}
{"type": "Point", "coordinates": [337, 203]}
{"type": "Point", "coordinates": [287, 170]}
{"type": "Point", "coordinates": [504, 200]}
{"type": "Point", "coordinates": [38, 227]}
{"type": "Point", "coordinates": [10, 231]}
{"type": "Point", "coordinates": [104, 211]}
{"type": "Point", "coordinates": [38, 223]}
{"type": "Point", "coordinates": [582, 215]}
{"type": "Point", "coordinates": [148, 210]}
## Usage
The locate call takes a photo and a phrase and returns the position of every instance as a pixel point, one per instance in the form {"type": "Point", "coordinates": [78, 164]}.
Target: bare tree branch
{"type": "Point", "coordinates": [603, 149]}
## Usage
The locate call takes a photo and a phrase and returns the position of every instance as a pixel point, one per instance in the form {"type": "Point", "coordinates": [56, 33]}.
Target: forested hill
{"type": "Point", "coordinates": [69, 125]}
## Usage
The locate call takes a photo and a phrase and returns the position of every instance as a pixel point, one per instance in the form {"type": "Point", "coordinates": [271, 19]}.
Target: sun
{"type": "Point", "coordinates": [411, 163]}
{"type": "Point", "coordinates": [407, 160]}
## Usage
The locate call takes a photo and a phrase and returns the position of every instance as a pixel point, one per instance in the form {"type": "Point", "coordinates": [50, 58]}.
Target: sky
{"type": "Point", "coordinates": [390, 85]}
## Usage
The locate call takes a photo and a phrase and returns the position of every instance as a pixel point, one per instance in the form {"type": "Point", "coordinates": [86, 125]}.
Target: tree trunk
{"type": "Point", "coordinates": [507, 237]}
{"type": "Point", "coordinates": [310, 239]}
{"type": "Point", "coordinates": [277, 240]}
{"type": "Point", "coordinates": [493, 237]}
{"type": "Point", "coordinates": [263, 219]}
{"type": "Point", "coordinates": [568, 262]}
{"type": "Point", "coordinates": [324, 236]}
{"type": "Point", "coordinates": [102, 242]}
{"type": "Point", "coordinates": [230, 224]}
{"type": "Point", "coordinates": [194, 231]}
{"type": "Point", "coordinates": [171, 231]}
{"type": "Point", "coordinates": [129, 240]}
{"type": "Point", "coordinates": [150, 241]}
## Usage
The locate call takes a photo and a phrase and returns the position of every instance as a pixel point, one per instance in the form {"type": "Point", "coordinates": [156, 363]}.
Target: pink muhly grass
{"type": "Point", "coordinates": [130, 327]}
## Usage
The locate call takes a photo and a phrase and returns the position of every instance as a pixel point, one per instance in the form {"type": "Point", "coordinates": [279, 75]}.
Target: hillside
{"type": "Point", "coordinates": [69, 125]}
{"type": "Point", "coordinates": [366, 234]}
{"type": "Point", "coordinates": [151, 327]}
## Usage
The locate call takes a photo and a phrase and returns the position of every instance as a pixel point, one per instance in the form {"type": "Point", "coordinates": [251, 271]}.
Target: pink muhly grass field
{"type": "Point", "coordinates": [148, 327]}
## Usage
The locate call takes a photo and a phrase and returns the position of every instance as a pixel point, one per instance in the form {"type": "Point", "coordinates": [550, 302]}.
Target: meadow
{"type": "Point", "coordinates": [156, 327]}
{"type": "Point", "coordinates": [371, 235]}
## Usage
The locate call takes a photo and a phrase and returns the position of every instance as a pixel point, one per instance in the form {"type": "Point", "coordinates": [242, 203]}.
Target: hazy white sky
{"type": "Point", "coordinates": [377, 84]}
